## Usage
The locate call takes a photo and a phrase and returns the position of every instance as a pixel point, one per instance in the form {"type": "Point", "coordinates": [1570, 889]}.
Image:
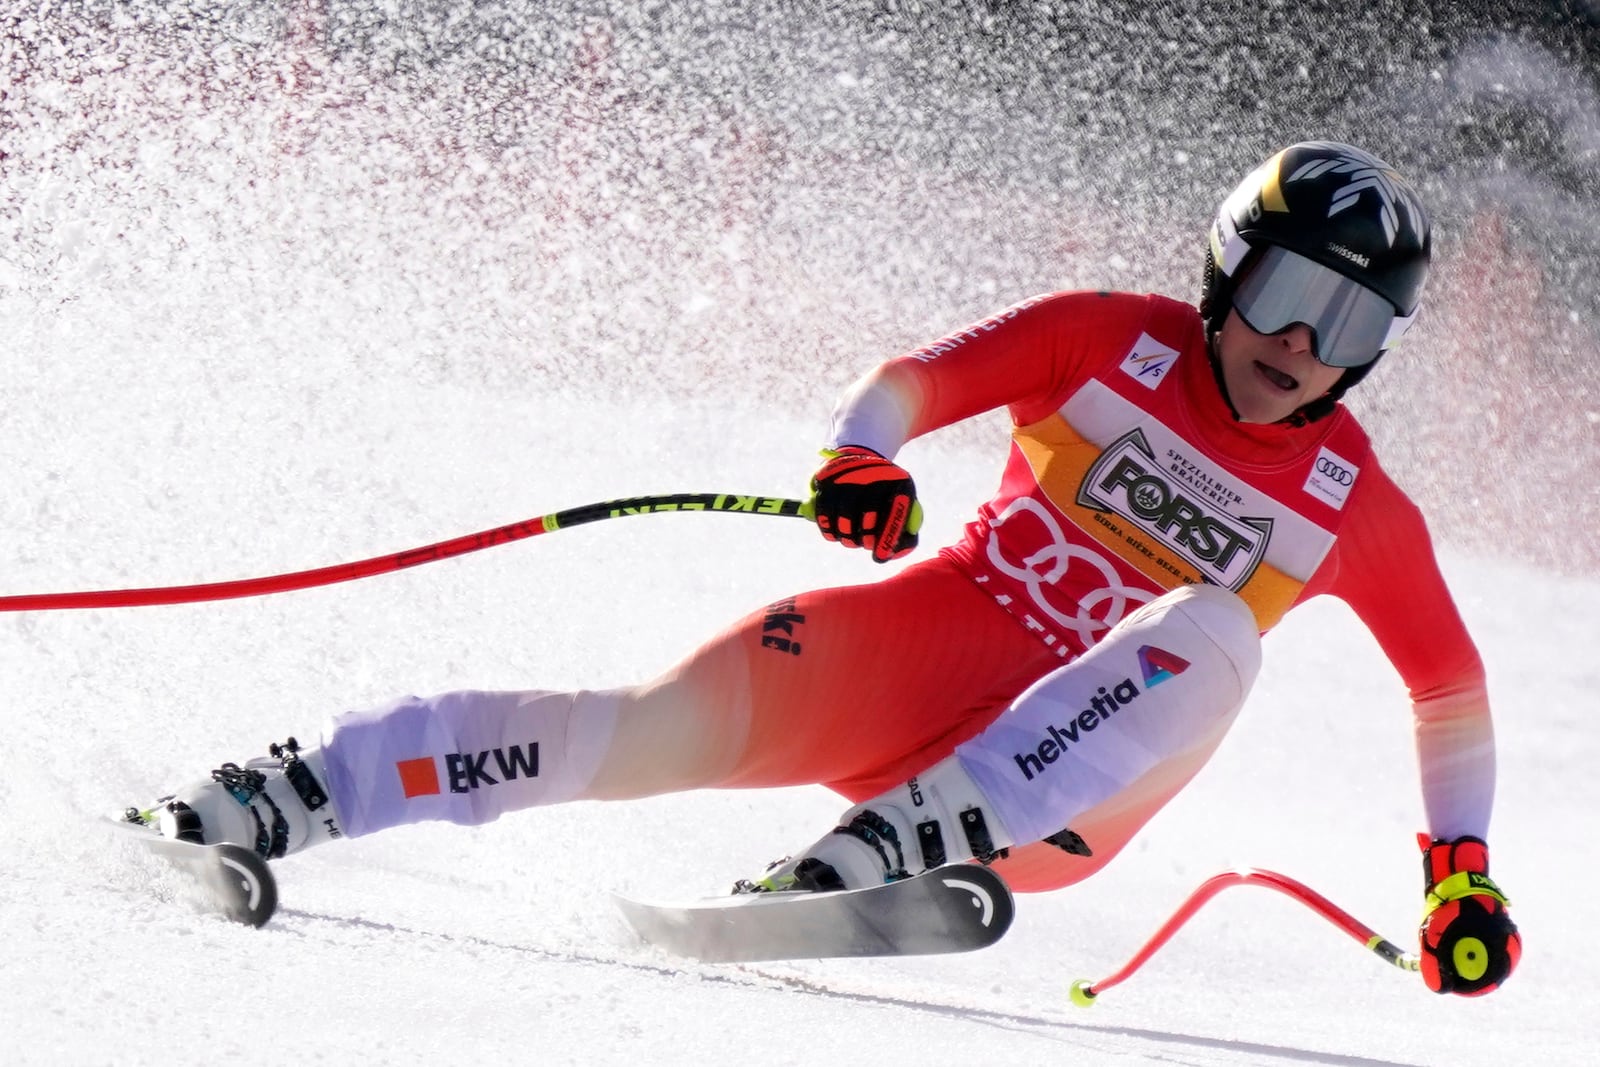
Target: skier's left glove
{"type": "Point", "coordinates": [863, 500]}
{"type": "Point", "coordinates": [1469, 943]}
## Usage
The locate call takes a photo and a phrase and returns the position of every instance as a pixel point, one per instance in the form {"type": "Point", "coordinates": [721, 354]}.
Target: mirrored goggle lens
{"type": "Point", "coordinates": [1351, 323]}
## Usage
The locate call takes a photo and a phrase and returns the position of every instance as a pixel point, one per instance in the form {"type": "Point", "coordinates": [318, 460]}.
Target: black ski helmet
{"type": "Point", "coordinates": [1340, 208]}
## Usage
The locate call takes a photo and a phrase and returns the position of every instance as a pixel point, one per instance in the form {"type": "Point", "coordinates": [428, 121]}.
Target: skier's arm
{"type": "Point", "coordinates": [1026, 357]}
{"type": "Point", "coordinates": [1388, 574]}
{"type": "Point", "coordinates": [1385, 569]}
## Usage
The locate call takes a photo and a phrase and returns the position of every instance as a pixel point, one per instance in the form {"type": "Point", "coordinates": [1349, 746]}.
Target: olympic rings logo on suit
{"type": "Point", "coordinates": [1329, 469]}
{"type": "Point", "coordinates": [1049, 564]}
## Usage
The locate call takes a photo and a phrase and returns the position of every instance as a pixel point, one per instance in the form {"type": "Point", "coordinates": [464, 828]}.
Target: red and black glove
{"type": "Point", "coordinates": [1469, 943]}
{"type": "Point", "coordinates": [865, 501]}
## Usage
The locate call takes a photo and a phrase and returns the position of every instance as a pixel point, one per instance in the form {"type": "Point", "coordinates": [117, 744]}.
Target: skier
{"type": "Point", "coordinates": [1032, 695]}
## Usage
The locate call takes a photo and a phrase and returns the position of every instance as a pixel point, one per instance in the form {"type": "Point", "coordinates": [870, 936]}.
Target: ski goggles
{"type": "Point", "coordinates": [1350, 324]}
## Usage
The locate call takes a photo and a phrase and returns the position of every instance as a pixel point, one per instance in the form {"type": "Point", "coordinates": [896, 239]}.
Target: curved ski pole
{"type": "Point", "coordinates": [731, 503]}
{"type": "Point", "coordinates": [1084, 991]}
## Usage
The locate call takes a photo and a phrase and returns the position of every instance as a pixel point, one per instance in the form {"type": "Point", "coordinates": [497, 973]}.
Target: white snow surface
{"type": "Point", "coordinates": [231, 351]}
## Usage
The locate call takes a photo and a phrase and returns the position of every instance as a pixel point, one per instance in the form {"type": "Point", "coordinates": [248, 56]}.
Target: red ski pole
{"type": "Point", "coordinates": [731, 503]}
{"type": "Point", "coordinates": [1084, 991]}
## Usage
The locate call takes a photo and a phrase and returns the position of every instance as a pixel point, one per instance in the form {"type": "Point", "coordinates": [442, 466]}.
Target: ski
{"type": "Point", "coordinates": [951, 909]}
{"type": "Point", "coordinates": [234, 880]}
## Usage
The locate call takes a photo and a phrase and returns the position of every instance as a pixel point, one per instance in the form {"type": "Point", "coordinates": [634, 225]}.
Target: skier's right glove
{"type": "Point", "coordinates": [1469, 943]}
{"type": "Point", "coordinates": [863, 500]}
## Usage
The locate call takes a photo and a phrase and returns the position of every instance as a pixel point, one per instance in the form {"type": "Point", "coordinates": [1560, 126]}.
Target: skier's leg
{"type": "Point", "coordinates": [464, 756]}
{"type": "Point", "coordinates": [821, 687]}
{"type": "Point", "coordinates": [1097, 746]}
{"type": "Point", "coordinates": [860, 683]}
{"type": "Point", "coordinates": [864, 684]}
{"type": "Point", "coordinates": [1105, 828]}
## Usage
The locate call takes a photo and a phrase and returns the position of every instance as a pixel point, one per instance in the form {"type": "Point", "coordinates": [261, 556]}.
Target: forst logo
{"type": "Point", "coordinates": [1127, 480]}
{"type": "Point", "coordinates": [466, 771]}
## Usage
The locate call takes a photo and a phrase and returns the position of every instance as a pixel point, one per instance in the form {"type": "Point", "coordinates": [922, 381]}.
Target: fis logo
{"type": "Point", "coordinates": [1156, 665]}
{"type": "Point", "coordinates": [1149, 361]}
{"type": "Point", "coordinates": [1126, 480]}
{"type": "Point", "coordinates": [466, 771]}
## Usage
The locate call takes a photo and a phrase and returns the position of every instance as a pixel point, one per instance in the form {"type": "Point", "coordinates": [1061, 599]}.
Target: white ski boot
{"type": "Point", "coordinates": [274, 805]}
{"type": "Point", "coordinates": [938, 817]}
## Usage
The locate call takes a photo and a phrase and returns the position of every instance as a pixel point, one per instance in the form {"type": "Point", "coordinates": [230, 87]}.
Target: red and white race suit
{"type": "Point", "coordinates": [1127, 476]}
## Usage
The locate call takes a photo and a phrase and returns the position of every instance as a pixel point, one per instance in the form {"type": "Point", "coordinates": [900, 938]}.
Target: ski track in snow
{"type": "Point", "coordinates": [754, 977]}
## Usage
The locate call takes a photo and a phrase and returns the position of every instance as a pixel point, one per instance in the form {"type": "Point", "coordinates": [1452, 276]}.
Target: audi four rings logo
{"type": "Point", "coordinates": [1331, 477]}
{"type": "Point", "coordinates": [1329, 469]}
